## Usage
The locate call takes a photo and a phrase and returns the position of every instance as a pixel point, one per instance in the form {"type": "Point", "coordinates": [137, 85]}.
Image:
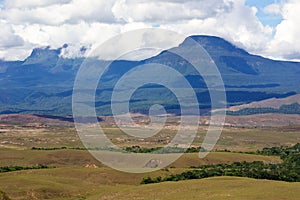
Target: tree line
{"type": "Point", "coordinates": [132, 149]}
{"type": "Point", "coordinates": [18, 168]}
{"type": "Point", "coordinates": [288, 170]}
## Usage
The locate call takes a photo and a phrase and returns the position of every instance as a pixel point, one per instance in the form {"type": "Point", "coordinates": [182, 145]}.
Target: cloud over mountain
{"type": "Point", "coordinates": [28, 24]}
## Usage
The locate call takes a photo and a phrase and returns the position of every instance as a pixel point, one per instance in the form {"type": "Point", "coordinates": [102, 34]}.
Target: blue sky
{"type": "Point", "coordinates": [266, 19]}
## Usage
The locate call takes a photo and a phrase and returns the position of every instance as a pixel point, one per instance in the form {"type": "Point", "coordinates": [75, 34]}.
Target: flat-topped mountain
{"type": "Point", "coordinates": [42, 83]}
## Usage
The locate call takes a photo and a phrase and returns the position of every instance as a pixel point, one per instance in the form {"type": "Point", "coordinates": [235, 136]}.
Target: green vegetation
{"type": "Point", "coordinates": [138, 149]}
{"type": "Point", "coordinates": [18, 168]}
{"type": "Point", "coordinates": [256, 169]}
{"type": "Point", "coordinates": [51, 148]}
{"type": "Point", "coordinates": [284, 109]}
{"type": "Point", "coordinates": [284, 152]}
{"type": "Point", "coordinates": [3, 196]}
{"type": "Point", "coordinates": [289, 170]}
{"type": "Point", "coordinates": [132, 149]}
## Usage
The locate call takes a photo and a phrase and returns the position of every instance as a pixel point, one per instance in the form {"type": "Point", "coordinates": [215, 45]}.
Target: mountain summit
{"type": "Point", "coordinates": [217, 46]}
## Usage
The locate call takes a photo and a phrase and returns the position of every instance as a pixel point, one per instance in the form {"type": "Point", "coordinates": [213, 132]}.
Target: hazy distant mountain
{"type": "Point", "coordinates": [288, 105]}
{"type": "Point", "coordinates": [43, 82]}
{"type": "Point", "coordinates": [269, 103]}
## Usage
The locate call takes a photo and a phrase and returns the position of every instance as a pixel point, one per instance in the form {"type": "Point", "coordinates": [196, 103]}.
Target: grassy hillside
{"type": "Point", "coordinates": [79, 158]}
{"type": "Point", "coordinates": [210, 188]}
{"type": "Point", "coordinates": [104, 183]}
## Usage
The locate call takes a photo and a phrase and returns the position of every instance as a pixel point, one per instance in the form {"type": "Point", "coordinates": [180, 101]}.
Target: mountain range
{"type": "Point", "coordinates": [43, 82]}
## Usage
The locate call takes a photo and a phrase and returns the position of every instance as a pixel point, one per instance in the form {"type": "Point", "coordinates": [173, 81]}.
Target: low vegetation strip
{"type": "Point", "coordinates": [274, 151]}
{"type": "Point", "coordinates": [18, 168]}
{"type": "Point", "coordinates": [289, 170]}
{"type": "Point", "coordinates": [76, 148]}
{"type": "Point", "coordinates": [160, 150]}
{"type": "Point", "coordinates": [132, 149]}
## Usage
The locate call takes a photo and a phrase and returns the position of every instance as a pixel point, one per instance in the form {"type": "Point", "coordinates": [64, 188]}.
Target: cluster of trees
{"type": "Point", "coordinates": [18, 168]}
{"type": "Point", "coordinates": [138, 149]}
{"type": "Point", "coordinates": [290, 155]}
{"type": "Point", "coordinates": [3, 196]}
{"type": "Point", "coordinates": [288, 170]}
{"type": "Point", "coordinates": [282, 151]}
{"type": "Point", "coordinates": [284, 109]}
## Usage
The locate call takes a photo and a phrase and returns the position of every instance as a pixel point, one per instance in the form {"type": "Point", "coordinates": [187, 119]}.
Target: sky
{"type": "Point", "coordinates": [265, 27]}
{"type": "Point", "coordinates": [265, 17]}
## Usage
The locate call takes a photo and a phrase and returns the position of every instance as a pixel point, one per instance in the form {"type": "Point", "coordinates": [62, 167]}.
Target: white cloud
{"type": "Point", "coordinates": [137, 45]}
{"type": "Point", "coordinates": [168, 11]}
{"type": "Point", "coordinates": [15, 53]}
{"type": "Point", "coordinates": [23, 4]}
{"type": "Point", "coordinates": [8, 38]}
{"type": "Point", "coordinates": [56, 13]}
{"type": "Point", "coordinates": [246, 31]}
{"type": "Point", "coordinates": [81, 34]}
{"type": "Point", "coordinates": [33, 23]}
{"type": "Point", "coordinates": [73, 51]}
{"type": "Point", "coordinates": [286, 42]}
{"type": "Point", "coordinates": [274, 9]}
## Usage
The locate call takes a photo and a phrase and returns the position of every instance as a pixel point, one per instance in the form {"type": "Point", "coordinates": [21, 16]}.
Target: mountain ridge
{"type": "Point", "coordinates": [36, 84]}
